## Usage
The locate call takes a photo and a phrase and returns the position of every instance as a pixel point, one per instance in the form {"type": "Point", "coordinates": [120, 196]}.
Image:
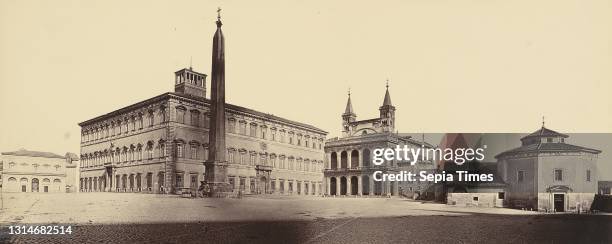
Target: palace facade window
{"type": "Point", "coordinates": [162, 114]}
{"type": "Point", "coordinates": [588, 175]}
{"type": "Point", "coordinates": [139, 152]}
{"type": "Point", "coordinates": [180, 114]}
{"type": "Point", "coordinates": [243, 125]}
{"type": "Point", "coordinates": [520, 176]}
{"type": "Point", "coordinates": [140, 122]}
{"type": "Point", "coordinates": [243, 157]}
{"type": "Point", "coordinates": [205, 153]}
{"type": "Point", "coordinates": [252, 159]}
{"type": "Point", "coordinates": [179, 150]}
{"type": "Point", "coordinates": [133, 123]}
{"type": "Point", "coordinates": [151, 118]}
{"type": "Point", "coordinates": [179, 180]}
{"type": "Point", "coordinates": [253, 131]}
{"type": "Point", "coordinates": [231, 124]}
{"type": "Point", "coordinates": [194, 151]}
{"type": "Point", "coordinates": [162, 150]}
{"type": "Point", "coordinates": [558, 175]}
{"type": "Point", "coordinates": [195, 118]}
{"type": "Point", "coordinates": [230, 156]}
{"type": "Point", "coordinates": [206, 120]}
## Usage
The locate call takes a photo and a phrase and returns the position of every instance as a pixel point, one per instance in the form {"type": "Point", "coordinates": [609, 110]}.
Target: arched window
{"type": "Point", "coordinates": [366, 157]}
{"type": "Point", "coordinates": [334, 160]}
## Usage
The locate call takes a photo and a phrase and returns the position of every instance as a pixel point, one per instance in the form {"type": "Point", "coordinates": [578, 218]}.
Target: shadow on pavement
{"type": "Point", "coordinates": [470, 228]}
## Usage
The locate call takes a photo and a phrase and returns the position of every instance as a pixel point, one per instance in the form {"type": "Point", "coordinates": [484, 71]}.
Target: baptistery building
{"type": "Point", "coordinates": [547, 173]}
{"type": "Point", "coordinates": [159, 145]}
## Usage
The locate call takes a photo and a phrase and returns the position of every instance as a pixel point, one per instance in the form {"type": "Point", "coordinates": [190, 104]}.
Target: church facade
{"type": "Point", "coordinates": [160, 145]}
{"type": "Point", "coordinates": [349, 169]}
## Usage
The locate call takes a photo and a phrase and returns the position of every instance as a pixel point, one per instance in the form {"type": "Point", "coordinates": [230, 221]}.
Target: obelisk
{"type": "Point", "coordinates": [216, 164]}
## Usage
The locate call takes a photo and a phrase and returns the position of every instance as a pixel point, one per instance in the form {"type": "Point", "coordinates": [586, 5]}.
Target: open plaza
{"type": "Point", "coordinates": [144, 218]}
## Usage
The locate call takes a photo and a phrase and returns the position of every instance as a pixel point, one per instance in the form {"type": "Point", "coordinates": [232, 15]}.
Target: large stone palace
{"type": "Point", "coordinates": [159, 145]}
{"type": "Point", "coordinates": [349, 169]}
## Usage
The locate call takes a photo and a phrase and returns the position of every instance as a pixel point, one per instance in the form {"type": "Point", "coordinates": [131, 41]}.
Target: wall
{"type": "Point", "coordinates": [468, 199]}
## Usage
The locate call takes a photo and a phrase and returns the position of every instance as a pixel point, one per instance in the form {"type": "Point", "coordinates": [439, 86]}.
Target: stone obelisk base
{"type": "Point", "coordinates": [216, 179]}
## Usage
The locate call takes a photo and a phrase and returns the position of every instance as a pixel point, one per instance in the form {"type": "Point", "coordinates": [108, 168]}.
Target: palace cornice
{"type": "Point", "coordinates": [204, 102]}
{"type": "Point", "coordinates": [126, 109]}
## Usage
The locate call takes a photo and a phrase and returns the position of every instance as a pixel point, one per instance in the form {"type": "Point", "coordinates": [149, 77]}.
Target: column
{"type": "Point", "coordinates": [360, 160]}
{"type": "Point", "coordinates": [338, 159]}
{"type": "Point", "coordinates": [387, 186]}
{"type": "Point", "coordinates": [338, 186]}
{"type": "Point", "coordinates": [154, 182]}
{"type": "Point", "coordinates": [348, 185]}
{"type": "Point", "coordinates": [348, 162]}
{"type": "Point", "coordinates": [142, 182]}
{"type": "Point", "coordinates": [359, 181]}
{"type": "Point", "coordinates": [247, 185]}
{"type": "Point", "coordinates": [395, 190]}
{"type": "Point", "coordinates": [328, 185]}
{"type": "Point", "coordinates": [276, 185]}
{"type": "Point", "coordinates": [371, 185]}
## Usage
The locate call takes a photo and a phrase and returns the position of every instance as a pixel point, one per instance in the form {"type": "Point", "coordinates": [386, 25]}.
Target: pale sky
{"type": "Point", "coordinates": [454, 66]}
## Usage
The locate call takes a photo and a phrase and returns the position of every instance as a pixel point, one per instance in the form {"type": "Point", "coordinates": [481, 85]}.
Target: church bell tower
{"type": "Point", "coordinates": [387, 113]}
{"type": "Point", "coordinates": [348, 117]}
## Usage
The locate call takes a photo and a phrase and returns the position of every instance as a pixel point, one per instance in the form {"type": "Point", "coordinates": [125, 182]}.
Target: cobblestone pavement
{"type": "Point", "coordinates": [139, 218]}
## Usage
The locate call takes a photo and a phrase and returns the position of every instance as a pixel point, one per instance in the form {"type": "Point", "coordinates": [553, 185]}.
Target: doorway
{"type": "Point", "coordinates": [263, 185]}
{"type": "Point", "coordinates": [559, 202]}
